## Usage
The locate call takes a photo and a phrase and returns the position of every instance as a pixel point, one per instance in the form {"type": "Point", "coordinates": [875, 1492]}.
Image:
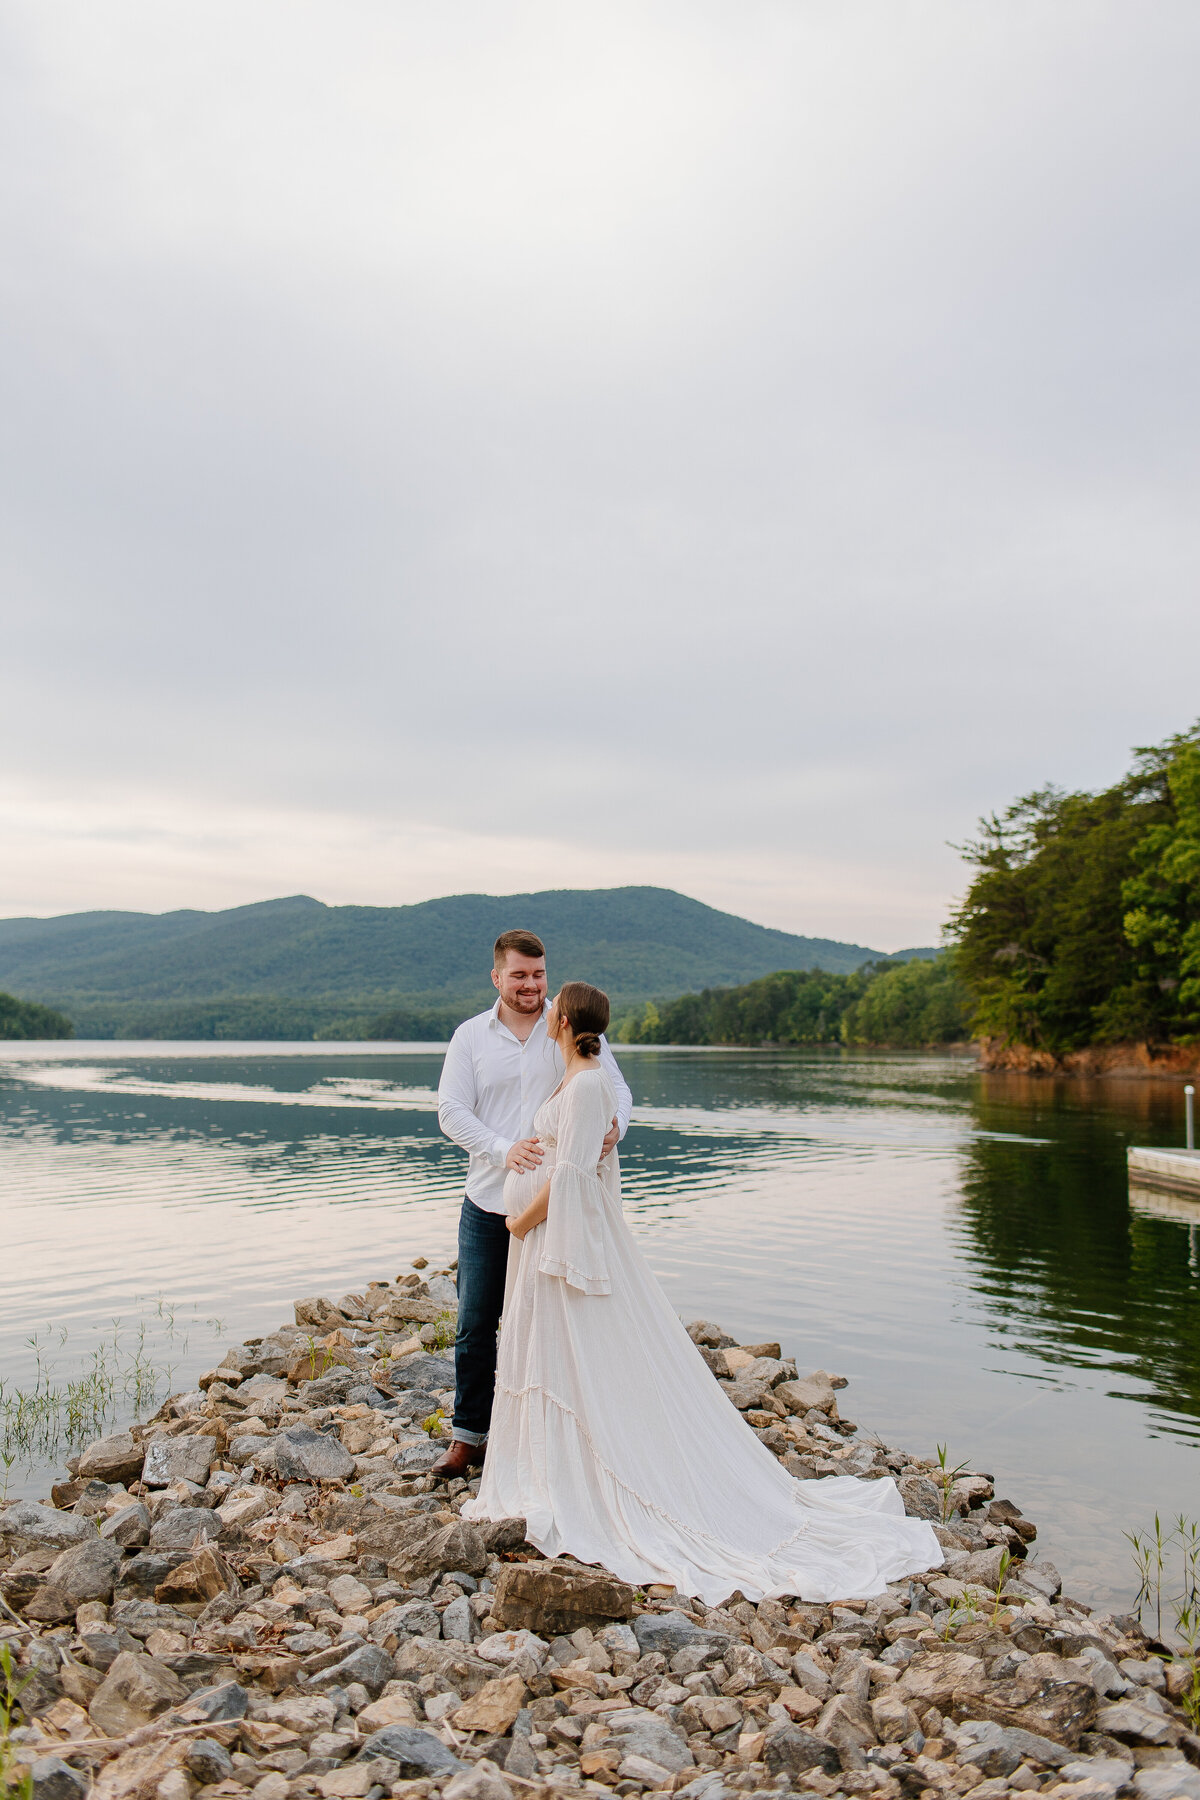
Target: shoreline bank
{"type": "Point", "coordinates": [1132, 1061]}
{"type": "Point", "coordinates": [263, 1591]}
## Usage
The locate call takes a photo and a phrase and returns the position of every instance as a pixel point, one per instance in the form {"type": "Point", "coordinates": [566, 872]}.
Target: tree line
{"type": "Point", "coordinates": [1081, 925]}
{"type": "Point", "coordinates": [922, 1002]}
{"type": "Point", "coordinates": [25, 1019]}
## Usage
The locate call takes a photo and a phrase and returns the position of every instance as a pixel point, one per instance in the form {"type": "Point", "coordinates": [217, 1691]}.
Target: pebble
{"type": "Point", "coordinates": [261, 1591]}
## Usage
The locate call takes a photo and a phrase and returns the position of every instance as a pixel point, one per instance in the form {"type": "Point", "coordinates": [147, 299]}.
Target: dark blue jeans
{"type": "Point", "coordinates": [483, 1240]}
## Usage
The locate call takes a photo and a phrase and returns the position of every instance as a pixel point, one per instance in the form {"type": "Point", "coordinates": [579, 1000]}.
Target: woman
{"type": "Point", "coordinates": [609, 1435]}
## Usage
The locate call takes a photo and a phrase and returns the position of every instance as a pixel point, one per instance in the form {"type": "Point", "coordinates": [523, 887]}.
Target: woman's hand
{"type": "Point", "coordinates": [534, 1213]}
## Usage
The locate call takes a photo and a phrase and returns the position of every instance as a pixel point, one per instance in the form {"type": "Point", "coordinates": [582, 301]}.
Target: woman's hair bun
{"type": "Point", "coordinates": [585, 1009]}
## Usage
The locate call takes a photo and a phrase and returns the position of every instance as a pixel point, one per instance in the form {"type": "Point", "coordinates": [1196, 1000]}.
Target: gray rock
{"type": "Point", "coordinates": [746, 1394]}
{"type": "Point", "coordinates": [143, 1573]}
{"type": "Point", "coordinates": [141, 1617]}
{"type": "Point", "coordinates": [1168, 1781]}
{"type": "Point", "coordinates": [262, 1388]}
{"type": "Point", "coordinates": [84, 1572]}
{"type": "Point", "coordinates": [28, 1526]}
{"type": "Point", "coordinates": [979, 1732]}
{"type": "Point", "coordinates": [329, 1390]}
{"type": "Point", "coordinates": [424, 1546]}
{"type": "Point", "coordinates": [922, 1497]}
{"type": "Point", "coordinates": [793, 1751]}
{"type": "Point", "coordinates": [416, 1457]}
{"type": "Point", "coordinates": [1042, 1577]}
{"type": "Point", "coordinates": [369, 1395]}
{"type": "Point", "coordinates": [420, 1370]}
{"type": "Point", "coordinates": [1134, 1719]}
{"type": "Point", "coordinates": [53, 1779]}
{"type": "Point", "coordinates": [710, 1786]}
{"type": "Point", "coordinates": [443, 1292]}
{"type": "Point", "coordinates": [981, 1566]}
{"type": "Point", "coordinates": [129, 1528]}
{"type": "Point", "coordinates": [456, 1620]}
{"type": "Point", "coordinates": [184, 1458]}
{"type": "Point", "coordinates": [116, 1458]}
{"type": "Point", "coordinates": [248, 1446]}
{"type": "Point", "coordinates": [674, 1631]}
{"type": "Point", "coordinates": [302, 1454]}
{"type": "Point", "coordinates": [521, 1759]}
{"type": "Point", "coordinates": [208, 1761]}
{"type": "Point", "coordinates": [414, 1618]}
{"type": "Point", "coordinates": [1110, 1771]}
{"type": "Point", "coordinates": [183, 1529]}
{"type": "Point", "coordinates": [102, 1644]}
{"type": "Point", "coordinates": [369, 1664]}
{"type": "Point", "coordinates": [228, 1700]}
{"type": "Point", "coordinates": [642, 1733]}
{"type": "Point", "coordinates": [416, 1752]}
{"type": "Point", "coordinates": [135, 1690]}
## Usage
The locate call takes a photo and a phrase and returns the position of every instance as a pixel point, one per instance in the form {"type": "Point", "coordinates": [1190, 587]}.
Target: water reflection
{"type": "Point", "coordinates": [962, 1246]}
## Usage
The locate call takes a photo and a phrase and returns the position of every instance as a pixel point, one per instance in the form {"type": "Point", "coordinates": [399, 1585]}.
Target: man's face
{"type": "Point", "coordinates": [521, 982]}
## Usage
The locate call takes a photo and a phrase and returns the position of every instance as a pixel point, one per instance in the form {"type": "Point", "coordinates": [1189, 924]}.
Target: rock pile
{"type": "Point", "coordinates": [263, 1592]}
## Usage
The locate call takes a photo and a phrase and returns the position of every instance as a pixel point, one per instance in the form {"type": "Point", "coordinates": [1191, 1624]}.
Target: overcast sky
{"type": "Point", "coordinates": [521, 445]}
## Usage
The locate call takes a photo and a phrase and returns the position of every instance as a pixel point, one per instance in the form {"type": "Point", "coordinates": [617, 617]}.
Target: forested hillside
{"type": "Point", "coordinates": [1082, 924]}
{"type": "Point", "coordinates": [24, 1019]}
{"type": "Point", "coordinates": [298, 968]}
{"type": "Point", "coordinates": [912, 1003]}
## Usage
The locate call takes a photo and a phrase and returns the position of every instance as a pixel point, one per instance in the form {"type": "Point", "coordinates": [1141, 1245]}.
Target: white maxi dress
{"type": "Point", "coordinates": [611, 1438]}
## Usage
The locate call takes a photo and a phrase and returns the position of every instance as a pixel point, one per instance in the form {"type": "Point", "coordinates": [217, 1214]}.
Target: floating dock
{"type": "Point", "coordinates": [1176, 1170]}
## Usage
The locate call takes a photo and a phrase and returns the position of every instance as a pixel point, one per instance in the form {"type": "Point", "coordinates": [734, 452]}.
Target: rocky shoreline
{"type": "Point", "coordinates": [263, 1592]}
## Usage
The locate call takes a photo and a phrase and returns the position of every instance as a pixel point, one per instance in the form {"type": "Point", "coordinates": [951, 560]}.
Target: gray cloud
{"type": "Point", "coordinates": [728, 446]}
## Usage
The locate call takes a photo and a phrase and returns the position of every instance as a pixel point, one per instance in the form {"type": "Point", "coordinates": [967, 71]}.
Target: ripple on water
{"type": "Point", "coordinates": [961, 1246]}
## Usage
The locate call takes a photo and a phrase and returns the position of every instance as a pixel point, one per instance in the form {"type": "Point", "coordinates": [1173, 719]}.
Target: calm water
{"type": "Point", "coordinates": [962, 1247]}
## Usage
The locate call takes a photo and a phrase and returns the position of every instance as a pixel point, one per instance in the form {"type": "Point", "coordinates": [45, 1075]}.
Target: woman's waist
{"type": "Point", "coordinates": [522, 1186]}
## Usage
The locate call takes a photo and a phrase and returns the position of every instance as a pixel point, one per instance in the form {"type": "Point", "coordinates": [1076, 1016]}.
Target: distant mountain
{"type": "Point", "coordinates": [298, 968]}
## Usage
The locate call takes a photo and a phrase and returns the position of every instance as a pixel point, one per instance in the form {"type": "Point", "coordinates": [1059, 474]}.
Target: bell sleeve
{"type": "Point", "coordinates": [573, 1247]}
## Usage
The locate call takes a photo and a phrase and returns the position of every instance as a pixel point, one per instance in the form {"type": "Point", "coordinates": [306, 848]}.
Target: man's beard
{"type": "Point", "coordinates": [525, 1003]}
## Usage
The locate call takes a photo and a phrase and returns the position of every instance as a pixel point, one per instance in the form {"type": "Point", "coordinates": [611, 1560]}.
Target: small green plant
{"type": "Point", "coordinates": [1150, 1559]}
{"type": "Point", "coordinates": [1160, 1558]}
{"type": "Point", "coordinates": [1001, 1578]}
{"type": "Point", "coordinates": [433, 1424]}
{"type": "Point", "coordinates": [946, 1477]}
{"type": "Point", "coordinates": [962, 1612]}
{"type": "Point", "coordinates": [119, 1375]}
{"type": "Point", "coordinates": [10, 1688]}
{"type": "Point", "coordinates": [320, 1358]}
{"type": "Point", "coordinates": [445, 1329]}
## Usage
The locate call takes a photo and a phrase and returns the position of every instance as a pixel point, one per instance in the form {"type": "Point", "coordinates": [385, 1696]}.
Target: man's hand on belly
{"type": "Point", "coordinates": [611, 1139]}
{"type": "Point", "coordinates": [526, 1154]}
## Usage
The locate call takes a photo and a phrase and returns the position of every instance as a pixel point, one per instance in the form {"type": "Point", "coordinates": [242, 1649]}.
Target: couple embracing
{"type": "Point", "coordinates": [599, 1423]}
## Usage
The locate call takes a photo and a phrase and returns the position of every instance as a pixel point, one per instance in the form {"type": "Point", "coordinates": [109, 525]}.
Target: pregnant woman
{"type": "Point", "coordinates": [609, 1435]}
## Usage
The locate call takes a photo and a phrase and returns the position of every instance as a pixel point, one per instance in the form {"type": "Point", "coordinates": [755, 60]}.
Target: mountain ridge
{"type": "Point", "coordinates": [117, 972]}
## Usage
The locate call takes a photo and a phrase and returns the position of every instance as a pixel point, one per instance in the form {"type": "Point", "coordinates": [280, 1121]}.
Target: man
{"type": "Point", "coordinates": [499, 1068]}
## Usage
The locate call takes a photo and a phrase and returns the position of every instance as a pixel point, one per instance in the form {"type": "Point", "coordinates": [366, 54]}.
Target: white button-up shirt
{"type": "Point", "coordinates": [492, 1085]}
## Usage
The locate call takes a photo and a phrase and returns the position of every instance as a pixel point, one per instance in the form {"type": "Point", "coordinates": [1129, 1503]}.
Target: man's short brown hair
{"type": "Point", "coordinates": [523, 942]}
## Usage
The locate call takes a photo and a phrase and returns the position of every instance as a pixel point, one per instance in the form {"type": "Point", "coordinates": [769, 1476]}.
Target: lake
{"type": "Point", "coordinates": [961, 1246]}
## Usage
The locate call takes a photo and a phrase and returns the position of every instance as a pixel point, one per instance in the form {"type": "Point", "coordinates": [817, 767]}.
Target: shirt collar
{"type": "Point", "coordinates": [495, 1021]}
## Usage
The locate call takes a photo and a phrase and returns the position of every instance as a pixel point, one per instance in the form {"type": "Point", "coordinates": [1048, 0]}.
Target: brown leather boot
{"type": "Point", "coordinates": [458, 1461]}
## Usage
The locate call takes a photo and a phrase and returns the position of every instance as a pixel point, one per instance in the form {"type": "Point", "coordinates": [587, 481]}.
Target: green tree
{"type": "Point", "coordinates": [911, 1003]}
{"type": "Point", "coordinates": [1162, 920]}
{"type": "Point", "coordinates": [25, 1019]}
{"type": "Point", "coordinates": [1042, 938]}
